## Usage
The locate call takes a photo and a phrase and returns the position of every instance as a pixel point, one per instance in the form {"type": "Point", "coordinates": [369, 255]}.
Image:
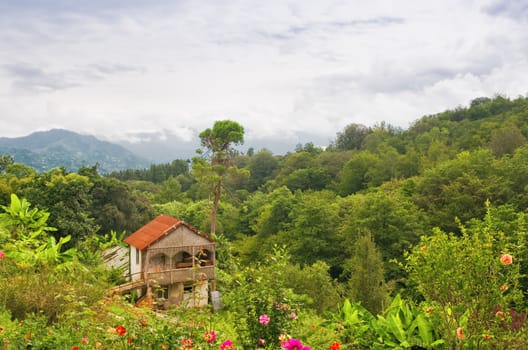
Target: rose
{"type": "Point", "coordinates": [506, 259]}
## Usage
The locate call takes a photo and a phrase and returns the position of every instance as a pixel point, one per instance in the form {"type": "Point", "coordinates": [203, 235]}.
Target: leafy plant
{"type": "Point", "coordinates": [403, 326]}
{"type": "Point", "coordinates": [353, 324]}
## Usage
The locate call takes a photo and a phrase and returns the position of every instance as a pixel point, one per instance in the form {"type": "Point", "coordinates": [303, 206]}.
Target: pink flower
{"type": "Point", "coordinates": [264, 319]}
{"type": "Point", "coordinates": [2, 254]}
{"type": "Point", "coordinates": [210, 337]}
{"type": "Point", "coordinates": [506, 259]}
{"type": "Point", "coordinates": [84, 340]}
{"type": "Point", "coordinates": [227, 345]}
{"type": "Point", "coordinates": [294, 344]}
{"type": "Point", "coordinates": [261, 341]}
{"type": "Point", "coordinates": [293, 316]}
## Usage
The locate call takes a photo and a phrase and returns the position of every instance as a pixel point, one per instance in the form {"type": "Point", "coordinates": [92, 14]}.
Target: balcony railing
{"type": "Point", "coordinates": [182, 274]}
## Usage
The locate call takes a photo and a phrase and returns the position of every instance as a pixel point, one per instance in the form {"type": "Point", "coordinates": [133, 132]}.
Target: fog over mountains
{"type": "Point", "coordinates": [45, 150]}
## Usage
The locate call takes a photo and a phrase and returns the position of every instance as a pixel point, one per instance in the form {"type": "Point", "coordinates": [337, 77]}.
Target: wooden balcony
{"type": "Point", "coordinates": [182, 274]}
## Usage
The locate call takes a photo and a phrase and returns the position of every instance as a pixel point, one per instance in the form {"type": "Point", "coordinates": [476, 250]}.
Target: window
{"type": "Point", "coordinates": [137, 256]}
{"type": "Point", "coordinates": [162, 292]}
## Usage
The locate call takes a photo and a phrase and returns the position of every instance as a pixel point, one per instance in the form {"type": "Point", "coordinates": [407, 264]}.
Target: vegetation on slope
{"type": "Point", "coordinates": [382, 214]}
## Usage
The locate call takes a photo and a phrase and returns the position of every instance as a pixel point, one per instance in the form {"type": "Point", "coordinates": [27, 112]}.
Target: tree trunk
{"type": "Point", "coordinates": [214, 211]}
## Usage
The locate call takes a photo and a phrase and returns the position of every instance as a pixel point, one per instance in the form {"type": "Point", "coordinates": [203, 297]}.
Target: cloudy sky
{"type": "Point", "coordinates": [289, 71]}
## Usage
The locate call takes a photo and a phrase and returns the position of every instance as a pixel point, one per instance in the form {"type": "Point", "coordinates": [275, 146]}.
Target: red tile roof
{"type": "Point", "coordinates": [155, 229]}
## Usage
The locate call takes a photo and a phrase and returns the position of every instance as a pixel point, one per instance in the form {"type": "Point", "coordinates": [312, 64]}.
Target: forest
{"type": "Point", "coordinates": [385, 239]}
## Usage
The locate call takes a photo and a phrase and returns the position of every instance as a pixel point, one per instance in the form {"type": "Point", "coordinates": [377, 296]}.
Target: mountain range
{"type": "Point", "coordinates": [45, 150]}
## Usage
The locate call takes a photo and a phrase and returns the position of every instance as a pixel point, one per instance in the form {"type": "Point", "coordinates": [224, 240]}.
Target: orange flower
{"type": "Point", "coordinates": [429, 310]}
{"type": "Point", "coordinates": [506, 259]}
{"type": "Point", "coordinates": [504, 288]}
{"type": "Point", "coordinates": [120, 330]}
{"type": "Point", "coordinates": [335, 346]}
{"type": "Point", "coordinates": [460, 333]}
{"type": "Point", "coordinates": [423, 248]}
{"type": "Point", "coordinates": [500, 314]}
{"type": "Point", "coordinates": [486, 336]}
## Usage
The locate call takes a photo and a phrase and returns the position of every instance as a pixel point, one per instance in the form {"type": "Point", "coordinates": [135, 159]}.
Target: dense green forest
{"type": "Point", "coordinates": [351, 221]}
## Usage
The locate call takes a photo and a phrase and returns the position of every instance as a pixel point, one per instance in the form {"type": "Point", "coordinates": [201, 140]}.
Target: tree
{"type": "Point", "coordinates": [506, 140]}
{"type": "Point", "coordinates": [366, 282]}
{"type": "Point", "coordinates": [308, 179]}
{"type": "Point", "coordinates": [351, 137]}
{"type": "Point", "coordinates": [393, 220]}
{"type": "Point", "coordinates": [219, 144]}
{"type": "Point", "coordinates": [67, 197]}
{"type": "Point", "coordinates": [262, 167]}
{"type": "Point", "coordinates": [310, 280]}
{"type": "Point", "coordinates": [356, 172]}
{"type": "Point", "coordinates": [458, 188]}
{"type": "Point", "coordinates": [114, 206]}
{"type": "Point", "coordinates": [312, 234]}
{"type": "Point", "coordinates": [5, 161]}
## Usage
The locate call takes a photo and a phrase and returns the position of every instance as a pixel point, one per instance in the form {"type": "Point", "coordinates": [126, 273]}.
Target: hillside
{"type": "Point", "coordinates": [45, 150]}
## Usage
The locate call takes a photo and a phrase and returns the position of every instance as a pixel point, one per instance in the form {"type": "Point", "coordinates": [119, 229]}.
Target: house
{"type": "Point", "coordinates": [171, 262]}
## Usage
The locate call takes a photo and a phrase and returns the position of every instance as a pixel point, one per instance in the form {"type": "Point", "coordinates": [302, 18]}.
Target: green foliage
{"type": "Point", "coordinates": [36, 274]}
{"type": "Point", "coordinates": [274, 212]}
{"type": "Point", "coordinates": [262, 167]}
{"type": "Point", "coordinates": [264, 306]}
{"type": "Point", "coordinates": [5, 161]}
{"type": "Point", "coordinates": [403, 326]}
{"type": "Point", "coordinates": [67, 197]}
{"type": "Point", "coordinates": [365, 274]}
{"type": "Point", "coordinates": [156, 173]}
{"type": "Point", "coordinates": [308, 179]}
{"type": "Point", "coordinates": [356, 176]}
{"type": "Point", "coordinates": [198, 214]}
{"type": "Point", "coordinates": [463, 280]}
{"type": "Point", "coordinates": [353, 323]}
{"type": "Point", "coordinates": [114, 206]}
{"type": "Point", "coordinates": [394, 222]}
{"type": "Point", "coordinates": [312, 236]}
{"type": "Point", "coordinates": [20, 221]}
{"type": "Point", "coordinates": [351, 137]}
{"type": "Point", "coordinates": [221, 138]}
{"type": "Point", "coordinates": [506, 140]}
{"type": "Point", "coordinates": [459, 188]}
{"type": "Point", "coordinates": [310, 280]}
{"type": "Point", "coordinates": [219, 145]}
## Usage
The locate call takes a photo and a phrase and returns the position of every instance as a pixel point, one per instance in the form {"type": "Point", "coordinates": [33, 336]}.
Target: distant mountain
{"type": "Point", "coordinates": [45, 150]}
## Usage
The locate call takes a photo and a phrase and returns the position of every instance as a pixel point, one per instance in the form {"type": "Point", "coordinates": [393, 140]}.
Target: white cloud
{"type": "Point", "coordinates": [137, 70]}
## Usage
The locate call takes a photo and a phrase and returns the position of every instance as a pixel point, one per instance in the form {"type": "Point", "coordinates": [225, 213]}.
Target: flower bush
{"type": "Point", "coordinates": [468, 279]}
{"type": "Point", "coordinates": [265, 307]}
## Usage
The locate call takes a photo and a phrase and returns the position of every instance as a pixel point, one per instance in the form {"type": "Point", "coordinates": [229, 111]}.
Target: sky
{"type": "Point", "coordinates": [288, 71]}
